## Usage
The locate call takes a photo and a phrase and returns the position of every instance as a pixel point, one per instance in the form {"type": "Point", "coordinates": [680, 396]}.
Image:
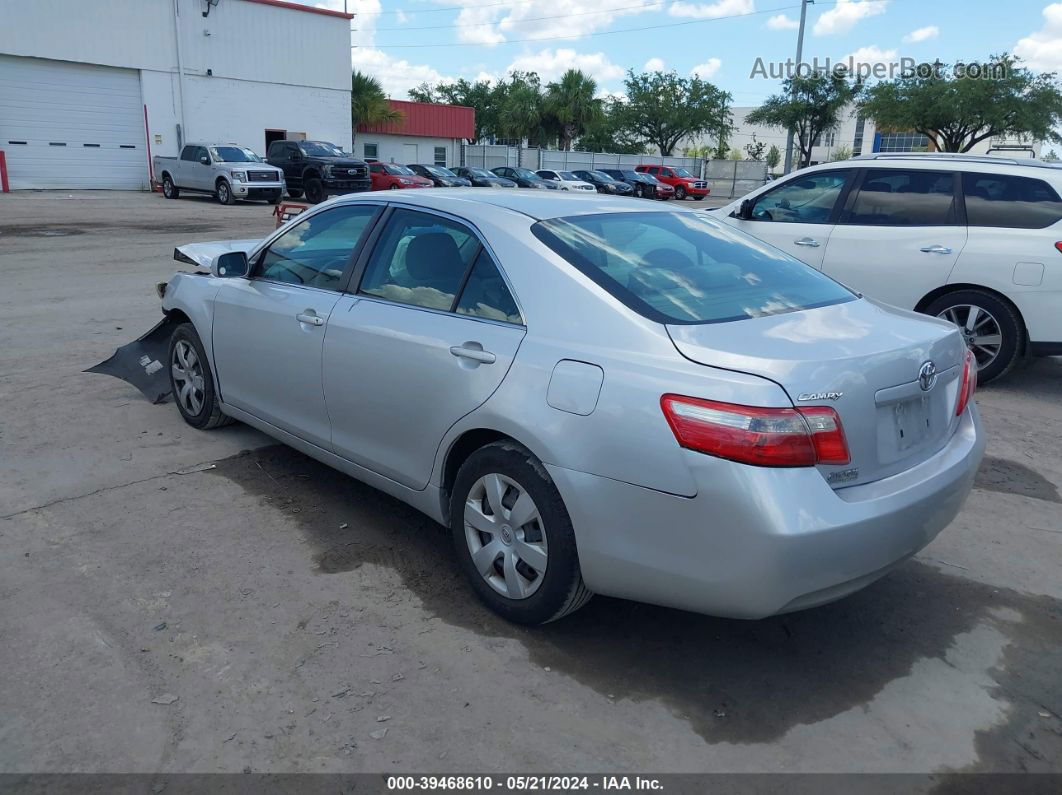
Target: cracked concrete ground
{"type": "Point", "coordinates": [271, 614]}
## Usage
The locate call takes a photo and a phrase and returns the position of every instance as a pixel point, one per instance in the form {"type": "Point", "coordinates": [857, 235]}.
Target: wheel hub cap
{"type": "Point", "coordinates": [188, 381]}
{"type": "Point", "coordinates": [505, 536]}
{"type": "Point", "coordinates": [980, 330]}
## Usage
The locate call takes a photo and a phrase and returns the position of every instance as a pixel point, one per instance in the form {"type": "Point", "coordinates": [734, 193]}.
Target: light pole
{"type": "Point", "coordinates": [799, 55]}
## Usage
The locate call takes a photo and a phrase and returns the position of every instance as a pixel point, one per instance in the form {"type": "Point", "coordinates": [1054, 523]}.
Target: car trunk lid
{"type": "Point", "coordinates": [860, 358]}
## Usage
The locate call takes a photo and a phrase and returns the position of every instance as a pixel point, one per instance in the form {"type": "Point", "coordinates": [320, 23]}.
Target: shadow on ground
{"type": "Point", "coordinates": [736, 681]}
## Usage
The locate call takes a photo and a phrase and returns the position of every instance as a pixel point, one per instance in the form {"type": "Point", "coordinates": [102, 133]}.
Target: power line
{"type": "Point", "coordinates": [581, 35]}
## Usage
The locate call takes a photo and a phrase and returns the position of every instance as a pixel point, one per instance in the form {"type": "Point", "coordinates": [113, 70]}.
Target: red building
{"type": "Point", "coordinates": [429, 134]}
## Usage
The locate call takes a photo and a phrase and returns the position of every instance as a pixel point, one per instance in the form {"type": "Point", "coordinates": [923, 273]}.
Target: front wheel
{"type": "Point", "coordinates": [294, 193]}
{"type": "Point", "coordinates": [639, 192]}
{"type": "Point", "coordinates": [697, 198]}
{"type": "Point", "coordinates": [192, 381]}
{"type": "Point", "coordinates": [513, 536]}
{"type": "Point", "coordinates": [169, 190]}
{"type": "Point", "coordinates": [392, 187]}
{"type": "Point", "coordinates": [992, 328]}
{"type": "Point", "coordinates": [680, 193]}
{"type": "Point", "coordinates": [315, 191]}
{"type": "Point", "coordinates": [224, 193]}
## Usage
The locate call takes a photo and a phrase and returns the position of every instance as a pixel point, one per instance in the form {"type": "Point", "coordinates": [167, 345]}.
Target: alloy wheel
{"type": "Point", "coordinates": [506, 536]}
{"type": "Point", "coordinates": [223, 193]}
{"type": "Point", "coordinates": [979, 328]}
{"type": "Point", "coordinates": [188, 378]}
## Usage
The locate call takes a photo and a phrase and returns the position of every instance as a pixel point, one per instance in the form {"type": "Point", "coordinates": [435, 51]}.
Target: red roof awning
{"type": "Point", "coordinates": [428, 120]}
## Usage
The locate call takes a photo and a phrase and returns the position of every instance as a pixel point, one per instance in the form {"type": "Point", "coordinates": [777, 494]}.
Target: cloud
{"type": "Point", "coordinates": [871, 55]}
{"type": "Point", "coordinates": [490, 23]}
{"type": "Point", "coordinates": [551, 64]}
{"type": "Point", "coordinates": [844, 16]}
{"type": "Point", "coordinates": [782, 22]}
{"type": "Point", "coordinates": [922, 34]}
{"type": "Point", "coordinates": [654, 65]}
{"type": "Point", "coordinates": [1043, 49]}
{"type": "Point", "coordinates": [396, 75]}
{"type": "Point", "coordinates": [706, 69]}
{"type": "Point", "coordinates": [720, 8]}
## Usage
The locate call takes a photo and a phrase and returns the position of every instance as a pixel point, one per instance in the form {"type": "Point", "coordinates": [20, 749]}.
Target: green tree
{"type": "Point", "coordinates": [734, 154]}
{"type": "Point", "coordinates": [522, 110]}
{"type": "Point", "coordinates": [606, 135]}
{"type": "Point", "coordinates": [957, 110]}
{"type": "Point", "coordinates": [368, 103]}
{"type": "Point", "coordinates": [841, 153]}
{"type": "Point", "coordinates": [808, 105]}
{"type": "Point", "coordinates": [755, 149]}
{"type": "Point", "coordinates": [1051, 157]}
{"type": "Point", "coordinates": [663, 108]}
{"type": "Point", "coordinates": [774, 157]}
{"type": "Point", "coordinates": [571, 105]}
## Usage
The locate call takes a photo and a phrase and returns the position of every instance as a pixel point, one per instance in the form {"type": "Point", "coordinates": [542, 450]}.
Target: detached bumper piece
{"type": "Point", "coordinates": [142, 362]}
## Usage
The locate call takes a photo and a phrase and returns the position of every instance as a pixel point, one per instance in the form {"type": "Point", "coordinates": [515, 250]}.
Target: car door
{"type": "Point", "coordinates": [269, 328]}
{"type": "Point", "coordinates": [798, 215]}
{"type": "Point", "coordinates": [202, 173]}
{"type": "Point", "coordinates": [899, 234]}
{"type": "Point", "coordinates": [184, 176]}
{"type": "Point", "coordinates": [427, 337]}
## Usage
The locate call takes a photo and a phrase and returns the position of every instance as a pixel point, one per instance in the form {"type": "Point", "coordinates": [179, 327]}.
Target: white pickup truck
{"type": "Point", "coordinates": [227, 171]}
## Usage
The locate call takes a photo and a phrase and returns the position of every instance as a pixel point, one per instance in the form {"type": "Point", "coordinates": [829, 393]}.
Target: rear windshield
{"type": "Point", "coordinates": [681, 267]}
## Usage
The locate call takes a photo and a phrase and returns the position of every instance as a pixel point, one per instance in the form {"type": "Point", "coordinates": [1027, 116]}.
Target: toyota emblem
{"type": "Point", "coordinates": [927, 376]}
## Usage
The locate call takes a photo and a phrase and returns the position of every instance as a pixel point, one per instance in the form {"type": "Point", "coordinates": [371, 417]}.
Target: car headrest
{"type": "Point", "coordinates": [431, 257]}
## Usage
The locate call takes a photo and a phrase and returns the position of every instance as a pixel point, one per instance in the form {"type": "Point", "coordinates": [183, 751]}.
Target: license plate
{"type": "Point", "coordinates": [912, 422]}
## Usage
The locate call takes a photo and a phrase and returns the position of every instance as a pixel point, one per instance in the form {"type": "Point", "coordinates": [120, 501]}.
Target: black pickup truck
{"type": "Point", "coordinates": [318, 169]}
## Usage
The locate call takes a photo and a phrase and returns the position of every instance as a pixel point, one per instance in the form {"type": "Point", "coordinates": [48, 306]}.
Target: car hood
{"type": "Point", "coordinates": [341, 162]}
{"type": "Point", "coordinates": [202, 254]}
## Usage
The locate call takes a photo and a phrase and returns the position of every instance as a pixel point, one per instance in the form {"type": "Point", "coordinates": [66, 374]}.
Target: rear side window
{"type": "Point", "coordinates": [421, 260]}
{"type": "Point", "coordinates": [486, 295]}
{"type": "Point", "coordinates": [891, 197]}
{"type": "Point", "coordinates": [1003, 200]}
{"type": "Point", "coordinates": [683, 268]}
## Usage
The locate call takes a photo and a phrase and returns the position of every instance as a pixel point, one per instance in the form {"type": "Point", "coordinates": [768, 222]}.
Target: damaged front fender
{"type": "Point", "coordinates": [142, 362]}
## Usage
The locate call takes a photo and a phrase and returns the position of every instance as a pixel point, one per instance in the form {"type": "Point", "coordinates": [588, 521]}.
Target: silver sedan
{"type": "Point", "coordinates": [594, 396]}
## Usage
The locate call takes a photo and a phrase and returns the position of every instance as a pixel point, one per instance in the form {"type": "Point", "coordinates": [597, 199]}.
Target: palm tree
{"type": "Point", "coordinates": [571, 102]}
{"type": "Point", "coordinates": [522, 112]}
{"type": "Point", "coordinates": [368, 103]}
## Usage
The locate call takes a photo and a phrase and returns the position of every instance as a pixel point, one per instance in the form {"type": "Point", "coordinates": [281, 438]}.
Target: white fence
{"type": "Point", "coordinates": [492, 156]}
{"type": "Point", "coordinates": [732, 178]}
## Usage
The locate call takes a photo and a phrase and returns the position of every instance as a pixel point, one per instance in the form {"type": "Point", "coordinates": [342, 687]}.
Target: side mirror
{"type": "Point", "coordinates": [296, 155]}
{"type": "Point", "coordinates": [230, 265]}
{"type": "Point", "coordinates": [745, 210]}
{"type": "Point", "coordinates": [204, 160]}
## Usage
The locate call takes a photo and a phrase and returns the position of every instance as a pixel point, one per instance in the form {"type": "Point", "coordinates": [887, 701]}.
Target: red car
{"type": "Point", "coordinates": [391, 176]}
{"type": "Point", "coordinates": [684, 183]}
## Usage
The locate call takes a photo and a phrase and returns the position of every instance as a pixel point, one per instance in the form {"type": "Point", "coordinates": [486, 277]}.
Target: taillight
{"type": "Point", "coordinates": [968, 385]}
{"type": "Point", "coordinates": [760, 436]}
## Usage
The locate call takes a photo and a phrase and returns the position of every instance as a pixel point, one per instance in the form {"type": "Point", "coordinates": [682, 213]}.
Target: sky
{"type": "Point", "coordinates": [406, 42]}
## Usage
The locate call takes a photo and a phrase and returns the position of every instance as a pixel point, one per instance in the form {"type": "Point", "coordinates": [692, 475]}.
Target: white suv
{"type": "Point", "coordinates": [974, 240]}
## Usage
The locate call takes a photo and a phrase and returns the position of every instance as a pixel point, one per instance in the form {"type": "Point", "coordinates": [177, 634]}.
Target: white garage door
{"type": "Point", "coordinates": [65, 125]}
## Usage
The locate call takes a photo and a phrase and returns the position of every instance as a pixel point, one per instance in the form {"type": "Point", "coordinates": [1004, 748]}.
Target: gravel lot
{"type": "Point", "coordinates": [268, 613]}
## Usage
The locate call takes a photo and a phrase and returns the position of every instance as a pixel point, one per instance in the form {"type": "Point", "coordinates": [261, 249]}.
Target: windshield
{"type": "Point", "coordinates": [681, 267]}
{"type": "Point", "coordinates": [601, 175]}
{"type": "Point", "coordinates": [399, 170]}
{"type": "Point", "coordinates": [233, 154]}
{"type": "Point", "coordinates": [526, 173]}
{"type": "Point", "coordinates": [439, 171]}
{"type": "Point", "coordinates": [633, 175]}
{"type": "Point", "coordinates": [569, 176]}
{"type": "Point", "coordinates": [681, 172]}
{"type": "Point", "coordinates": [651, 178]}
{"type": "Point", "coordinates": [321, 149]}
{"type": "Point", "coordinates": [481, 172]}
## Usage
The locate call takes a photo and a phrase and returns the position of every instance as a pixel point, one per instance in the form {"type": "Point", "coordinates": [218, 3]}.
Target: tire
{"type": "Point", "coordinates": [991, 314]}
{"type": "Point", "coordinates": [200, 407]}
{"type": "Point", "coordinates": [392, 187]}
{"type": "Point", "coordinates": [275, 199]}
{"type": "Point", "coordinates": [639, 192]}
{"type": "Point", "coordinates": [169, 190]}
{"type": "Point", "coordinates": [315, 191]}
{"type": "Point", "coordinates": [224, 192]}
{"type": "Point", "coordinates": [680, 193]}
{"type": "Point", "coordinates": [698, 198]}
{"type": "Point", "coordinates": [294, 193]}
{"type": "Point", "coordinates": [545, 594]}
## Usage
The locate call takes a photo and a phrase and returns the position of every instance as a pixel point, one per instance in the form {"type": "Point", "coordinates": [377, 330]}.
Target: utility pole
{"type": "Point", "coordinates": [799, 55]}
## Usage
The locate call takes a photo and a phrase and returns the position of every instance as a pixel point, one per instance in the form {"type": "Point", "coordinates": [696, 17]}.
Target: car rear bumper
{"type": "Point", "coordinates": [756, 541]}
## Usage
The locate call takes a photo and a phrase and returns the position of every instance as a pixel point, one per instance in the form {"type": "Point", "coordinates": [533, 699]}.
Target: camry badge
{"type": "Point", "coordinates": [820, 396]}
{"type": "Point", "coordinates": [927, 376]}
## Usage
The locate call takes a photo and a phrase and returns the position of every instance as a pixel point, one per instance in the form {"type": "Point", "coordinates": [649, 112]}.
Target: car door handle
{"type": "Point", "coordinates": [935, 249]}
{"type": "Point", "coordinates": [475, 354]}
{"type": "Point", "coordinates": [807, 241]}
{"type": "Point", "coordinates": [310, 317]}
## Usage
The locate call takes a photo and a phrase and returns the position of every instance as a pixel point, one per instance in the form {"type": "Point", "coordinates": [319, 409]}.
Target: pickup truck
{"type": "Point", "coordinates": [684, 183]}
{"type": "Point", "coordinates": [318, 169]}
{"type": "Point", "coordinates": [228, 171]}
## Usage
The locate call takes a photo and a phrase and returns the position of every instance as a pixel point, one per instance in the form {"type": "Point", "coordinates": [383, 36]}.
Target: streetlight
{"type": "Point", "coordinates": [799, 55]}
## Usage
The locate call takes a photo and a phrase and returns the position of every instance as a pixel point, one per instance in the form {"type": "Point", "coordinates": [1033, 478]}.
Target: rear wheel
{"type": "Point", "coordinates": [169, 190]}
{"type": "Point", "coordinates": [393, 187]}
{"type": "Point", "coordinates": [992, 328]}
{"type": "Point", "coordinates": [639, 191]}
{"type": "Point", "coordinates": [513, 536]}
{"type": "Point", "coordinates": [315, 191]}
{"type": "Point", "coordinates": [224, 193]}
{"type": "Point", "coordinates": [192, 381]}
{"type": "Point", "coordinates": [680, 193]}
